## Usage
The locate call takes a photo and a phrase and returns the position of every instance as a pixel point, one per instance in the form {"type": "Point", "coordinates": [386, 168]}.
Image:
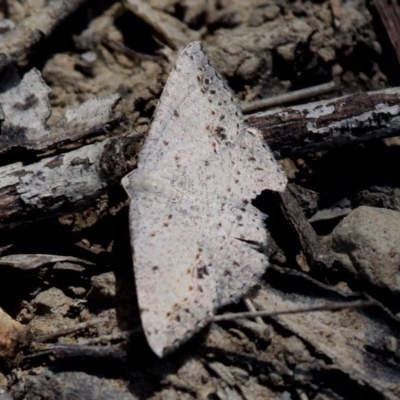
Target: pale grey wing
{"type": "Point", "coordinates": [255, 157]}
{"type": "Point", "coordinates": [225, 183]}
{"type": "Point", "coordinates": [174, 301]}
{"type": "Point", "coordinates": [239, 172]}
{"type": "Point", "coordinates": [195, 117]}
{"type": "Point", "coordinates": [234, 262]}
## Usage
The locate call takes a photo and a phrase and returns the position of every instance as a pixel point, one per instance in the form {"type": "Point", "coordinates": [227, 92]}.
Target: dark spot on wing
{"type": "Point", "coordinates": [28, 102]}
{"type": "Point", "coordinates": [202, 271]}
{"type": "Point", "coordinates": [166, 142]}
{"type": "Point", "coordinates": [220, 132]}
{"type": "Point", "coordinates": [222, 117]}
{"type": "Point", "coordinates": [155, 268]}
{"type": "Point", "coordinates": [176, 114]}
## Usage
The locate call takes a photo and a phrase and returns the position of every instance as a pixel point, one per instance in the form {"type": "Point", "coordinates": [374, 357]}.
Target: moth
{"type": "Point", "coordinates": [191, 220]}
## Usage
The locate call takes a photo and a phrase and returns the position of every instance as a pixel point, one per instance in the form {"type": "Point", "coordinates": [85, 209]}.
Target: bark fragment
{"type": "Point", "coordinates": [27, 108]}
{"type": "Point", "coordinates": [17, 42]}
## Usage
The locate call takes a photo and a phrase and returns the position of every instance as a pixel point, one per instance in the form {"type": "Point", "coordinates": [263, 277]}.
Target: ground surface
{"type": "Point", "coordinates": [349, 194]}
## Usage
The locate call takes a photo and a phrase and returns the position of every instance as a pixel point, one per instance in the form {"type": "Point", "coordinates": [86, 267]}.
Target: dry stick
{"type": "Point", "coordinates": [17, 42]}
{"type": "Point", "coordinates": [64, 351]}
{"type": "Point", "coordinates": [317, 253]}
{"type": "Point", "coordinates": [250, 306]}
{"type": "Point", "coordinates": [68, 331]}
{"type": "Point", "coordinates": [264, 314]}
{"type": "Point", "coordinates": [281, 99]}
{"type": "Point", "coordinates": [64, 183]}
{"type": "Point", "coordinates": [389, 14]}
{"type": "Point", "coordinates": [224, 373]}
{"type": "Point", "coordinates": [327, 124]}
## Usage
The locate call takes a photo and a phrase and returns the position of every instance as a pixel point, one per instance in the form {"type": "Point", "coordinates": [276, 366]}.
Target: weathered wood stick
{"type": "Point", "coordinates": [316, 252]}
{"type": "Point", "coordinates": [64, 183]}
{"type": "Point", "coordinates": [326, 124]}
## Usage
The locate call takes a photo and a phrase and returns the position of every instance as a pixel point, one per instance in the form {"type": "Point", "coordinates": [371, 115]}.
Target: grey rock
{"type": "Point", "coordinates": [367, 241]}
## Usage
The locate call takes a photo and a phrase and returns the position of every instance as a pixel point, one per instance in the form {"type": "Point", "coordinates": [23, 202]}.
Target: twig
{"type": "Point", "coordinates": [65, 351]}
{"type": "Point", "coordinates": [281, 99]}
{"type": "Point", "coordinates": [298, 310]}
{"type": "Point", "coordinates": [250, 306]}
{"type": "Point", "coordinates": [69, 331]}
{"type": "Point", "coordinates": [315, 250]}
